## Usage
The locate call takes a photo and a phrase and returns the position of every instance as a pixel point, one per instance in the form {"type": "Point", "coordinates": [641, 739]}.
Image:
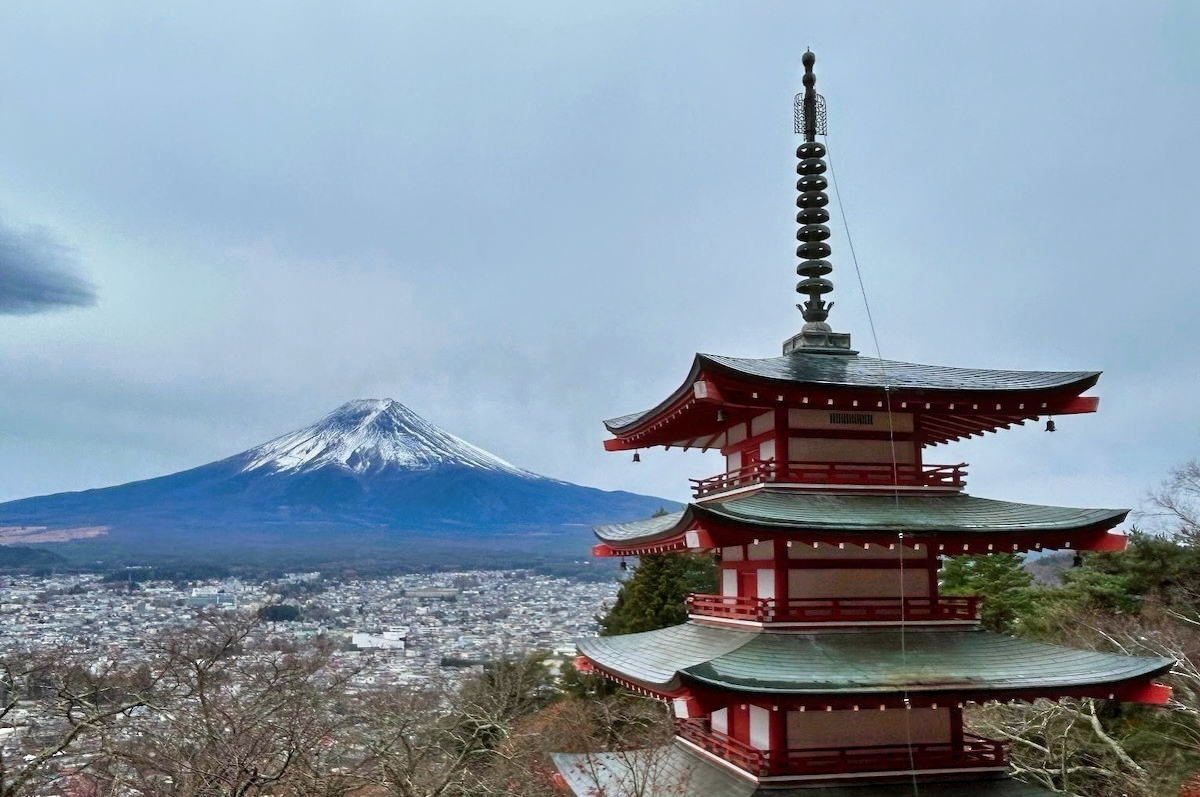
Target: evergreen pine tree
{"type": "Point", "coordinates": [653, 596]}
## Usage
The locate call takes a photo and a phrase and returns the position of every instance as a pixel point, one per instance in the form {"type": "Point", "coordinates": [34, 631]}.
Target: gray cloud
{"type": "Point", "coordinates": [38, 273]}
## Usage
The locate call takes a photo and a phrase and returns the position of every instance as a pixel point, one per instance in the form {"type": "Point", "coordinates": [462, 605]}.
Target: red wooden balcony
{"type": "Point", "coordinates": [871, 474]}
{"type": "Point", "coordinates": [834, 610]}
{"type": "Point", "coordinates": [973, 752]}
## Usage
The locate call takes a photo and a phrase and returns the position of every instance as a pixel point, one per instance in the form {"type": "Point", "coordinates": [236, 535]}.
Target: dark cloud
{"type": "Point", "coordinates": [38, 273]}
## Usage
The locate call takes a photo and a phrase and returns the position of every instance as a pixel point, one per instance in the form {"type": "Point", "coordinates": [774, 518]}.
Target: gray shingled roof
{"type": "Point", "coordinates": [857, 661]}
{"type": "Point", "coordinates": [855, 371]}
{"type": "Point", "coordinates": [836, 371]}
{"type": "Point", "coordinates": [677, 771]}
{"type": "Point", "coordinates": [951, 513]}
{"type": "Point", "coordinates": [653, 528]}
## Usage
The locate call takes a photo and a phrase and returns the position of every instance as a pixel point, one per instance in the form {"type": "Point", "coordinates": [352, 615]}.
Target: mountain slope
{"type": "Point", "coordinates": [371, 467]}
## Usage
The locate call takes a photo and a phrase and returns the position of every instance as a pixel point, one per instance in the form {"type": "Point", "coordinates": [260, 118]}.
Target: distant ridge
{"type": "Point", "coordinates": [370, 478]}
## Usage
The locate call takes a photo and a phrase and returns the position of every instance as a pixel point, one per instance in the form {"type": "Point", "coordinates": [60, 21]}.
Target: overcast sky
{"type": "Point", "coordinates": [221, 220]}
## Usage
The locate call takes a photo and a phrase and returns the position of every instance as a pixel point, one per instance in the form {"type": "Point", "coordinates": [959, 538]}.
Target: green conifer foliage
{"type": "Point", "coordinates": [999, 580]}
{"type": "Point", "coordinates": [653, 596]}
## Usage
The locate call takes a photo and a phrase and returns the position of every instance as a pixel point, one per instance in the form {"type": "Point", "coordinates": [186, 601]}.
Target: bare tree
{"type": "Point", "coordinates": [612, 745]}
{"type": "Point", "coordinates": [1174, 505]}
{"type": "Point", "coordinates": [233, 712]}
{"type": "Point", "coordinates": [224, 707]}
{"type": "Point", "coordinates": [1102, 748]}
{"type": "Point", "coordinates": [59, 702]}
{"type": "Point", "coordinates": [438, 741]}
{"type": "Point", "coordinates": [1064, 746]}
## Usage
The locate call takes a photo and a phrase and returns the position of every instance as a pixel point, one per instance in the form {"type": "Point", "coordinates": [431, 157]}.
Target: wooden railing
{"type": "Point", "coordinates": [973, 752]}
{"type": "Point", "coordinates": [834, 610]}
{"type": "Point", "coordinates": [731, 607]}
{"type": "Point", "coordinates": [737, 753]}
{"type": "Point", "coordinates": [878, 474]}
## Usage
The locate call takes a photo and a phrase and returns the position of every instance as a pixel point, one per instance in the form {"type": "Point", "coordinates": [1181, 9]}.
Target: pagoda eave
{"type": "Point", "coordinates": [694, 422]}
{"type": "Point", "coordinates": [952, 524]}
{"type": "Point", "coordinates": [694, 696]}
{"type": "Point", "coordinates": [1098, 537]}
{"type": "Point", "coordinates": [1143, 691]}
{"type": "Point", "coordinates": [673, 545]}
{"type": "Point", "coordinates": [1090, 540]}
{"type": "Point", "coordinates": [946, 408]}
{"type": "Point", "coordinates": [861, 668]}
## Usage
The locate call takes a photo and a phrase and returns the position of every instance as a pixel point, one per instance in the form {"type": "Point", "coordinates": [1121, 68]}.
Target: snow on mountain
{"type": "Point", "coordinates": [370, 435]}
{"type": "Point", "coordinates": [372, 479]}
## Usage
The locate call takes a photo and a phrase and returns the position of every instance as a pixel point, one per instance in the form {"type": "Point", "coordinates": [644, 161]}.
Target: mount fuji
{"type": "Point", "coordinates": [370, 479]}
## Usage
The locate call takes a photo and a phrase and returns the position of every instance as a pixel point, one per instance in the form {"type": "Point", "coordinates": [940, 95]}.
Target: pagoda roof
{"type": "Point", "coordinates": [848, 517]}
{"type": "Point", "coordinates": [960, 662]}
{"type": "Point", "coordinates": [679, 771]}
{"type": "Point", "coordinates": [842, 373]}
{"type": "Point", "coordinates": [869, 372]}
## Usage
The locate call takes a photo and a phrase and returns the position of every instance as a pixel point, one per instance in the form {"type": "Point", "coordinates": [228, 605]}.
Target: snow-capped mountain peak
{"type": "Point", "coordinates": [369, 435]}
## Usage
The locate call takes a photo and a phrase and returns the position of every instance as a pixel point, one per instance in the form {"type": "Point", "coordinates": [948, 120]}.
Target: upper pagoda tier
{"type": "Point", "coordinates": [926, 403]}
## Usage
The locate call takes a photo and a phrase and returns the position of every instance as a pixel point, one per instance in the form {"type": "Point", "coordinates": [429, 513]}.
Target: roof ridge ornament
{"type": "Point", "coordinates": [816, 337]}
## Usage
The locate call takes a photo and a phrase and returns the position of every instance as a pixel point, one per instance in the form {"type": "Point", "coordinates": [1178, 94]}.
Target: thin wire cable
{"type": "Point", "coordinates": [887, 394]}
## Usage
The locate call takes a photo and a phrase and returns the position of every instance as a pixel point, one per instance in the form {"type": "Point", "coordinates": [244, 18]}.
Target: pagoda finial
{"type": "Point", "coordinates": [816, 335]}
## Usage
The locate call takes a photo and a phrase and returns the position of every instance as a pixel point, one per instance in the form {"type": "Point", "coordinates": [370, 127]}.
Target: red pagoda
{"type": "Point", "coordinates": [829, 664]}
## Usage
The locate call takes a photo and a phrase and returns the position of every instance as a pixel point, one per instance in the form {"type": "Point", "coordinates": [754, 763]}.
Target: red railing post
{"type": "Point", "coordinates": [863, 473]}
{"type": "Point", "coordinates": [886, 609]}
{"type": "Point", "coordinates": [972, 752]}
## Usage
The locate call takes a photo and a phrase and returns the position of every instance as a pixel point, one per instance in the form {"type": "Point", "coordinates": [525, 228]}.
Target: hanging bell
{"type": "Point", "coordinates": [1050, 425]}
{"type": "Point", "coordinates": [721, 417]}
{"type": "Point", "coordinates": [624, 566]}
{"type": "Point", "coordinates": [637, 457]}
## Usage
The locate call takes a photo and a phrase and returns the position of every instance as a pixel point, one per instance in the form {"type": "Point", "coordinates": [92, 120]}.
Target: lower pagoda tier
{"type": "Point", "coordinates": [867, 667]}
{"type": "Point", "coordinates": [813, 707]}
{"type": "Point", "coordinates": [682, 771]}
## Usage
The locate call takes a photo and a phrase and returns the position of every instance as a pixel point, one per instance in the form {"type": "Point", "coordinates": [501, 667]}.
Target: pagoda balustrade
{"type": "Point", "coordinates": [834, 610]}
{"type": "Point", "coordinates": [974, 752]}
{"type": "Point", "coordinates": [870, 474]}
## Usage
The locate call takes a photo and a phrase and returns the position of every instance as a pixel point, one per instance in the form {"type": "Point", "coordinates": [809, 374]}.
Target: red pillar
{"type": "Point", "coordinates": [781, 579]}
{"type": "Point", "coordinates": [956, 727]}
{"type": "Point", "coordinates": [778, 734]}
{"type": "Point", "coordinates": [781, 442]}
{"type": "Point", "coordinates": [933, 565]}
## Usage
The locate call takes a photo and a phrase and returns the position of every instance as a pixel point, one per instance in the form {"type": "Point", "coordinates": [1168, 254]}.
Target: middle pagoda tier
{"type": "Point", "coordinates": [828, 654]}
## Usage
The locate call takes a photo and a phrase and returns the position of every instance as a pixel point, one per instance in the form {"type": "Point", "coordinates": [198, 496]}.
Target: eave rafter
{"type": "Point", "coordinates": [700, 697]}
{"type": "Point", "coordinates": [700, 531]}
{"type": "Point", "coordinates": [679, 424]}
{"type": "Point", "coordinates": [674, 544]}
{"type": "Point", "coordinates": [1145, 691]}
{"type": "Point", "coordinates": [636, 687]}
{"type": "Point", "coordinates": [705, 407]}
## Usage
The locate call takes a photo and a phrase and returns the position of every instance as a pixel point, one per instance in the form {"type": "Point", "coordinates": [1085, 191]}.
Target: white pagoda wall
{"type": "Point", "coordinates": [760, 728]}
{"type": "Point", "coordinates": [866, 728]}
{"type": "Point", "coordinates": [853, 580]}
{"type": "Point", "coordinates": [831, 583]}
{"type": "Point", "coordinates": [820, 449]}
